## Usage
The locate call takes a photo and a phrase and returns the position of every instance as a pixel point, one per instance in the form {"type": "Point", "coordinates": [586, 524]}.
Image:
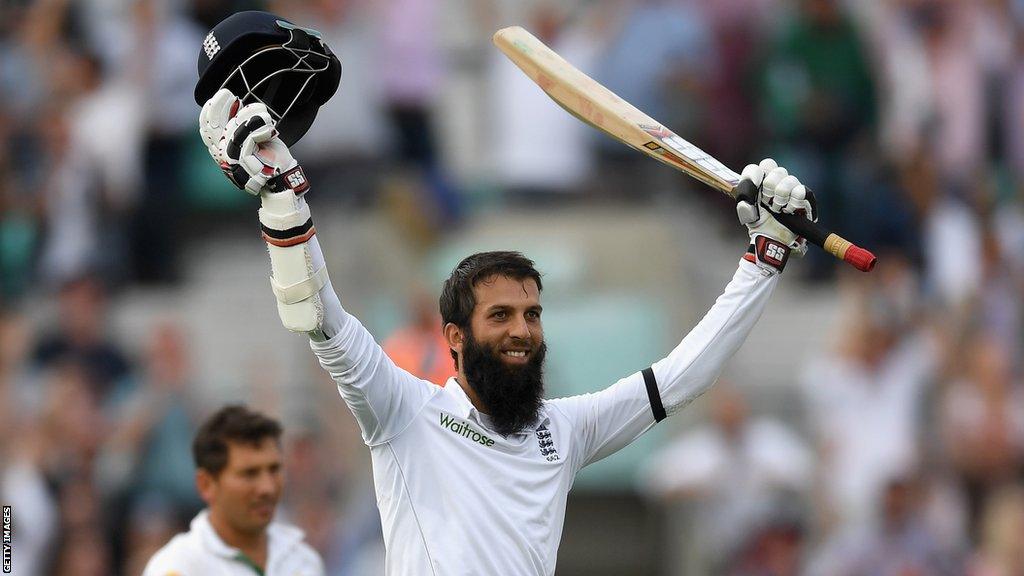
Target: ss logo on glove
{"type": "Point", "coordinates": [775, 252]}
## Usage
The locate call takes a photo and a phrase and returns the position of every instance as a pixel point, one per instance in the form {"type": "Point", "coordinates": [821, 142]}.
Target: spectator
{"type": "Point", "coordinates": [524, 116]}
{"type": "Point", "coordinates": [345, 148]}
{"type": "Point", "coordinates": [19, 228]}
{"type": "Point", "coordinates": [81, 335]}
{"type": "Point", "coordinates": [163, 60]}
{"type": "Point", "coordinates": [1013, 107]}
{"type": "Point", "coordinates": [734, 471]}
{"type": "Point", "coordinates": [95, 169]}
{"type": "Point", "coordinates": [956, 133]}
{"type": "Point", "coordinates": [952, 219]}
{"type": "Point", "coordinates": [23, 453]}
{"type": "Point", "coordinates": [15, 343]}
{"type": "Point", "coordinates": [864, 399]}
{"type": "Point", "coordinates": [420, 348]}
{"type": "Point", "coordinates": [982, 419]}
{"type": "Point", "coordinates": [24, 486]}
{"type": "Point", "coordinates": [350, 541]}
{"type": "Point", "coordinates": [821, 124]}
{"type": "Point", "coordinates": [413, 72]}
{"type": "Point", "coordinates": [146, 460]}
{"type": "Point", "coordinates": [822, 50]}
{"type": "Point", "coordinates": [739, 28]}
{"type": "Point", "coordinates": [775, 546]}
{"type": "Point", "coordinates": [73, 424]}
{"type": "Point", "coordinates": [902, 542]}
{"type": "Point", "coordinates": [998, 308]}
{"type": "Point", "coordinates": [999, 552]}
{"type": "Point", "coordinates": [414, 69]}
{"type": "Point", "coordinates": [655, 59]}
{"type": "Point", "coordinates": [83, 553]}
{"type": "Point", "coordinates": [656, 56]}
{"type": "Point", "coordinates": [71, 434]}
{"type": "Point", "coordinates": [150, 444]}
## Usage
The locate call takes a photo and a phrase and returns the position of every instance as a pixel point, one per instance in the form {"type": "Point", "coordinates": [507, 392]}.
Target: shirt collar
{"type": "Point", "coordinates": [454, 389]}
{"type": "Point", "coordinates": [280, 537]}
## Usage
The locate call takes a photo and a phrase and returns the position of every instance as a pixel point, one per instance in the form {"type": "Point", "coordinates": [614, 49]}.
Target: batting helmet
{"type": "Point", "coordinates": [263, 58]}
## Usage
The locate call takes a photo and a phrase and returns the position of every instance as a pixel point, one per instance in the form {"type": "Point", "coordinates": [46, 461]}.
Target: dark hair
{"type": "Point", "coordinates": [233, 423]}
{"type": "Point", "coordinates": [457, 298]}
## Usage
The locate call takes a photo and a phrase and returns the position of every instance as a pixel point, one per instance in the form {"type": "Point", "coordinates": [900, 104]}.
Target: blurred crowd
{"type": "Point", "coordinates": [905, 452]}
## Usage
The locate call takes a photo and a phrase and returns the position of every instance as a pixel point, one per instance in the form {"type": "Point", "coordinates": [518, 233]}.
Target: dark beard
{"type": "Point", "coordinates": [511, 395]}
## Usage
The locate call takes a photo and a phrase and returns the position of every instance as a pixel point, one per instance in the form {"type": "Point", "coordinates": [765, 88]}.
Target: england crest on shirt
{"type": "Point", "coordinates": [546, 444]}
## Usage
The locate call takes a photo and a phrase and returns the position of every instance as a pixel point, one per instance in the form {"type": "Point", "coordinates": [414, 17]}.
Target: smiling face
{"type": "Point", "coordinates": [243, 496]}
{"type": "Point", "coordinates": [506, 318]}
{"type": "Point", "coordinates": [501, 353]}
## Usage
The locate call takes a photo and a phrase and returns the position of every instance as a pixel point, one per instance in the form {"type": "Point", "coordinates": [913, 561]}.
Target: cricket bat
{"type": "Point", "coordinates": [584, 98]}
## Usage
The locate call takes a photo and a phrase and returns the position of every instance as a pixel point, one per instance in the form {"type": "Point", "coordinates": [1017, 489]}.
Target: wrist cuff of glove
{"type": "Point", "coordinates": [767, 253]}
{"type": "Point", "coordinates": [294, 180]}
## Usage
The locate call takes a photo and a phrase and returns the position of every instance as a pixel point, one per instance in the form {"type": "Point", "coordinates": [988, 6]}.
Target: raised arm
{"type": "Point", "coordinates": [244, 142]}
{"type": "Point", "coordinates": [608, 420]}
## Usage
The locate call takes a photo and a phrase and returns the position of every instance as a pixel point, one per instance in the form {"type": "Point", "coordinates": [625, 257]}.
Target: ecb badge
{"type": "Point", "coordinates": [211, 46]}
{"type": "Point", "coordinates": [546, 444]}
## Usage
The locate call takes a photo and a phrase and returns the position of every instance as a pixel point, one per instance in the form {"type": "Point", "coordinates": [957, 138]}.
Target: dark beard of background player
{"type": "Point", "coordinates": [511, 395]}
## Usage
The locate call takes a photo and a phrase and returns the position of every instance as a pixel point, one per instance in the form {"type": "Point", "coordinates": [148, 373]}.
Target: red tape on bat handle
{"type": "Point", "coordinates": [829, 241]}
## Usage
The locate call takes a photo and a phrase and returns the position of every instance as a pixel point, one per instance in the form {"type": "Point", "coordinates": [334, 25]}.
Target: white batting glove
{"type": "Point", "coordinates": [767, 187]}
{"type": "Point", "coordinates": [219, 121]}
{"type": "Point", "coordinates": [243, 141]}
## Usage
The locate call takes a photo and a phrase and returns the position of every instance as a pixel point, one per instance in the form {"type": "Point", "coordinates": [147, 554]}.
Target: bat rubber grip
{"type": "Point", "coordinates": [831, 242]}
{"type": "Point", "coordinates": [860, 258]}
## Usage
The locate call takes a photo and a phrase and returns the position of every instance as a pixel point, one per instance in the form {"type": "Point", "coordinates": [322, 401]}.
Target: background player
{"type": "Point", "coordinates": [240, 477]}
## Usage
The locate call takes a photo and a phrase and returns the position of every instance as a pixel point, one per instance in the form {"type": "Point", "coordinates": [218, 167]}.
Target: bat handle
{"type": "Point", "coordinates": [829, 241]}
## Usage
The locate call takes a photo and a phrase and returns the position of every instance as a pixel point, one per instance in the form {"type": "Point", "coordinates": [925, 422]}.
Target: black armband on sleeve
{"type": "Point", "coordinates": [654, 395]}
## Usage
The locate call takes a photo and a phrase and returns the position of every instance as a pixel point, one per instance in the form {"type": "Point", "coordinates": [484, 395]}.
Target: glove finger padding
{"type": "Point", "coordinates": [748, 193]}
{"type": "Point", "coordinates": [754, 173]}
{"type": "Point", "coordinates": [213, 119]}
{"type": "Point", "coordinates": [768, 164]}
{"type": "Point", "coordinates": [783, 191]}
{"type": "Point", "coordinates": [769, 186]}
{"type": "Point", "coordinates": [250, 126]}
{"type": "Point", "coordinates": [802, 200]}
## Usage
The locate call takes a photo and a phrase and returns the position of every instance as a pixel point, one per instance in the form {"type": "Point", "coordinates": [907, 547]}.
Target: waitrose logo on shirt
{"type": "Point", "coordinates": [463, 429]}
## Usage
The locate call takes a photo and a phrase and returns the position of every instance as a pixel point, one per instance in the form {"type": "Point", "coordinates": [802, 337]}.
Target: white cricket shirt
{"type": "Point", "coordinates": [201, 552]}
{"type": "Point", "coordinates": [457, 499]}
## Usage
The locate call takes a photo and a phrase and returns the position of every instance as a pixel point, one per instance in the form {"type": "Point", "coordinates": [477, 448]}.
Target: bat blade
{"type": "Point", "coordinates": [589, 101]}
